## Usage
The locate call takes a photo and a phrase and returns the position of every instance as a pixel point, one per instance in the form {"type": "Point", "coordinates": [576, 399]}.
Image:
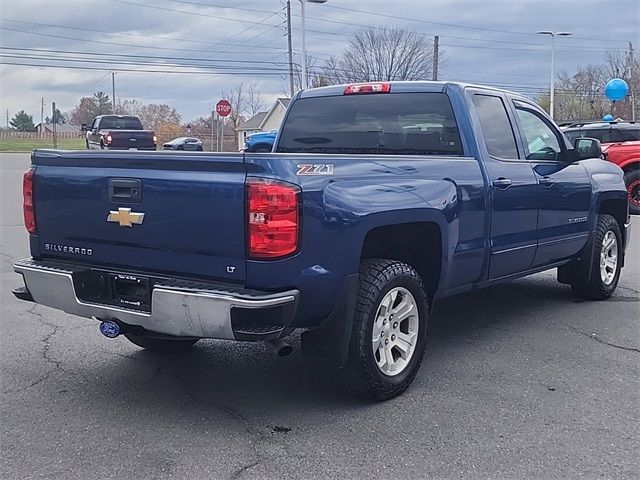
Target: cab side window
{"type": "Point", "coordinates": [542, 141]}
{"type": "Point", "coordinates": [496, 127]}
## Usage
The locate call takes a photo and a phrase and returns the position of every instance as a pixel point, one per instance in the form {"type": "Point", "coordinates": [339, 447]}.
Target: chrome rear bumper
{"type": "Point", "coordinates": [183, 309]}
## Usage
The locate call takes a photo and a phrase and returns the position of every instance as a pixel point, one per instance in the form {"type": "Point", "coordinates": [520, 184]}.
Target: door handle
{"type": "Point", "coordinates": [502, 183]}
{"type": "Point", "coordinates": [547, 181]}
{"type": "Point", "coordinates": [125, 189]}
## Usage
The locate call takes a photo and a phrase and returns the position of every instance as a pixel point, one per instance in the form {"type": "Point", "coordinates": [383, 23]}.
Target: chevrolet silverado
{"type": "Point", "coordinates": [378, 200]}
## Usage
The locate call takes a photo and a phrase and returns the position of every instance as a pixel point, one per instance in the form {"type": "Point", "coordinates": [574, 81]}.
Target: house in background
{"type": "Point", "coordinates": [46, 128]}
{"type": "Point", "coordinates": [263, 121]}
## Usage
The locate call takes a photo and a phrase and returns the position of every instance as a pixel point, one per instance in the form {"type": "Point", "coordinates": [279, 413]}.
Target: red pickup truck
{"type": "Point", "coordinates": [621, 145]}
{"type": "Point", "coordinates": [627, 156]}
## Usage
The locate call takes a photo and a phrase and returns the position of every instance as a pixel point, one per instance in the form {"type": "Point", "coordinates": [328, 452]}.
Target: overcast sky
{"type": "Point", "coordinates": [488, 41]}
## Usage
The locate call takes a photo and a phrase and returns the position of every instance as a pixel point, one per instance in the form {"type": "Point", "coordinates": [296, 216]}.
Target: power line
{"type": "Point", "coordinates": [130, 55]}
{"type": "Point", "coordinates": [112, 43]}
{"type": "Point", "coordinates": [219, 6]}
{"type": "Point", "coordinates": [140, 70]}
{"type": "Point", "coordinates": [470, 27]}
{"type": "Point", "coordinates": [197, 14]}
{"type": "Point", "coordinates": [97, 82]}
{"type": "Point", "coordinates": [440, 35]}
{"type": "Point", "coordinates": [222, 68]}
{"type": "Point", "coordinates": [92, 30]}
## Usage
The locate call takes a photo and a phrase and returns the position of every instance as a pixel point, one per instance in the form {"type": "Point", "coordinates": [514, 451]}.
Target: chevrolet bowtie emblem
{"type": "Point", "coordinates": [125, 217]}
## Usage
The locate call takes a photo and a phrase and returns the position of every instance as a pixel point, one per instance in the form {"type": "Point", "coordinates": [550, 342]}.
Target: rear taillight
{"type": "Point", "coordinates": [27, 202]}
{"type": "Point", "coordinates": [155, 139]}
{"type": "Point", "coordinates": [108, 139]}
{"type": "Point", "coordinates": [360, 88]}
{"type": "Point", "coordinates": [273, 218]}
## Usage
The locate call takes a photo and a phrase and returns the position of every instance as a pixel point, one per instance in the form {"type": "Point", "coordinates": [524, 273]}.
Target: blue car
{"type": "Point", "coordinates": [260, 142]}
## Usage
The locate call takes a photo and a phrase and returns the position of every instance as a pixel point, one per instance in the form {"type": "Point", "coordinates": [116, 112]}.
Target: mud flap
{"type": "Point", "coordinates": [330, 341]}
{"type": "Point", "coordinates": [579, 268]}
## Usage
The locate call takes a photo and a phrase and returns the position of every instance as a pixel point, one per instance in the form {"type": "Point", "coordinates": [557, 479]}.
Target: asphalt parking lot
{"type": "Point", "coordinates": [519, 381]}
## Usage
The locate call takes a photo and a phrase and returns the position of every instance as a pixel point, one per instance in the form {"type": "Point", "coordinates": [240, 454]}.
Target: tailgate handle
{"type": "Point", "coordinates": [125, 190]}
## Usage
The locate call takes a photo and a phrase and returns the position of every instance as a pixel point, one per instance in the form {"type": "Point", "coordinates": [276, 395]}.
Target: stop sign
{"type": "Point", "coordinates": [223, 108]}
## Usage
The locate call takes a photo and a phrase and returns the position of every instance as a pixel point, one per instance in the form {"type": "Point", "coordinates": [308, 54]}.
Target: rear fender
{"type": "Point", "coordinates": [364, 205]}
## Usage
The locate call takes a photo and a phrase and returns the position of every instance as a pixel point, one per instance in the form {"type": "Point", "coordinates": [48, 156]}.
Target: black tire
{"type": "Point", "coordinates": [632, 181]}
{"type": "Point", "coordinates": [262, 149]}
{"type": "Point", "coordinates": [199, 149]}
{"type": "Point", "coordinates": [588, 282]}
{"type": "Point", "coordinates": [162, 345]}
{"type": "Point", "coordinates": [179, 147]}
{"type": "Point", "coordinates": [377, 278]}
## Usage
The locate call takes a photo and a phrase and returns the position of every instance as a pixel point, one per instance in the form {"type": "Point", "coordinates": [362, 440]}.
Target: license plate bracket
{"type": "Point", "coordinates": [131, 291]}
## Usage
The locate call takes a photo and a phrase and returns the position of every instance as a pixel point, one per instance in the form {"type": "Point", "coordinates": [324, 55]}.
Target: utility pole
{"type": "Point", "coordinates": [221, 134]}
{"type": "Point", "coordinates": [633, 93]}
{"type": "Point", "coordinates": [41, 115]}
{"type": "Point", "coordinates": [113, 90]}
{"type": "Point", "coordinates": [7, 118]}
{"type": "Point", "coordinates": [55, 136]}
{"type": "Point", "coordinates": [212, 122]}
{"type": "Point", "coordinates": [291, 92]}
{"type": "Point", "coordinates": [436, 50]}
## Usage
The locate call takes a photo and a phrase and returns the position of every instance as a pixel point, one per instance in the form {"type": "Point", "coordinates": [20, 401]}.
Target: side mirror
{"type": "Point", "coordinates": [84, 127]}
{"type": "Point", "coordinates": [587, 148]}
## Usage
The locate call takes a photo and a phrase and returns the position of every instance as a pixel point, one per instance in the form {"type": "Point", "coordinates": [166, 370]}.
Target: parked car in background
{"type": "Point", "coordinates": [184, 143]}
{"type": "Point", "coordinates": [620, 145]}
{"type": "Point", "coordinates": [606, 132]}
{"type": "Point", "coordinates": [118, 132]}
{"type": "Point", "coordinates": [260, 142]}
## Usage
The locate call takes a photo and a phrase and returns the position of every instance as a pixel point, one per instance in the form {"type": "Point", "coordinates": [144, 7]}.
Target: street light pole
{"type": "Point", "coordinates": [553, 61]}
{"type": "Point", "coordinates": [305, 79]}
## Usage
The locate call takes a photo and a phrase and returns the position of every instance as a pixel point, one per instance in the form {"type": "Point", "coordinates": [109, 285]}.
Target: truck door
{"type": "Point", "coordinates": [92, 134]}
{"type": "Point", "coordinates": [513, 186]}
{"type": "Point", "coordinates": [564, 188]}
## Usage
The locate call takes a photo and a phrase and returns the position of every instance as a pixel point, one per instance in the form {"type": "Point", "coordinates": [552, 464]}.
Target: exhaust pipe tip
{"type": "Point", "coordinates": [110, 329]}
{"type": "Point", "coordinates": [280, 347]}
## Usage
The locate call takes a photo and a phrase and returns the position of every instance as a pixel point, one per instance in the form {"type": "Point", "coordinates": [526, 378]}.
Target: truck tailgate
{"type": "Point", "coordinates": [146, 211]}
{"type": "Point", "coordinates": [126, 139]}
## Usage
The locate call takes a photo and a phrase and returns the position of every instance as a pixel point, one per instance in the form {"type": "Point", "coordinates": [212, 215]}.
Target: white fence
{"type": "Point", "coordinates": [37, 135]}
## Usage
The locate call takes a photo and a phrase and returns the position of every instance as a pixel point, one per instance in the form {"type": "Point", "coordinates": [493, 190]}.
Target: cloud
{"type": "Point", "coordinates": [491, 42]}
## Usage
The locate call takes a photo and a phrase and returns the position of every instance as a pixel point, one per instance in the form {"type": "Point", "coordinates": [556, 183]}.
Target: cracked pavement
{"type": "Point", "coordinates": [520, 381]}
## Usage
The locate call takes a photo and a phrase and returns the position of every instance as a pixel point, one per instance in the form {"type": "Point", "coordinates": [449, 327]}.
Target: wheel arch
{"type": "Point", "coordinates": [419, 244]}
{"type": "Point", "coordinates": [618, 208]}
{"type": "Point", "coordinates": [630, 165]}
{"type": "Point", "coordinates": [259, 146]}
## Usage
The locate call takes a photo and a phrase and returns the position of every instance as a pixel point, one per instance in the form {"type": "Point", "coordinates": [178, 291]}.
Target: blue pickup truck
{"type": "Point", "coordinates": [378, 200]}
{"type": "Point", "coordinates": [260, 142]}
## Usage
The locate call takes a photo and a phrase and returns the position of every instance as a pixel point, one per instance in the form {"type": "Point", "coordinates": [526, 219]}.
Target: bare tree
{"type": "Point", "coordinates": [382, 53]}
{"type": "Point", "coordinates": [254, 100]}
{"type": "Point", "coordinates": [245, 102]}
{"type": "Point", "coordinates": [581, 96]}
{"type": "Point", "coordinates": [315, 73]}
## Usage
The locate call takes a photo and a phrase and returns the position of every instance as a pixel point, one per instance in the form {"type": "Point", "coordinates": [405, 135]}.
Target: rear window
{"type": "Point", "coordinates": [121, 123]}
{"type": "Point", "coordinates": [401, 123]}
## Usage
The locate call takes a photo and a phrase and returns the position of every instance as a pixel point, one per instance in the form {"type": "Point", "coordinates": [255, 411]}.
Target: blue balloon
{"type": "Point", "coordinates": [616, 89]}
{"type": "Point", "coordinates": [608, 118]}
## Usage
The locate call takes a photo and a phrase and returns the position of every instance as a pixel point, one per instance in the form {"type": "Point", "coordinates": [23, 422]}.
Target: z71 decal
{"type": "Point", "coordinates": [315, 169]}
